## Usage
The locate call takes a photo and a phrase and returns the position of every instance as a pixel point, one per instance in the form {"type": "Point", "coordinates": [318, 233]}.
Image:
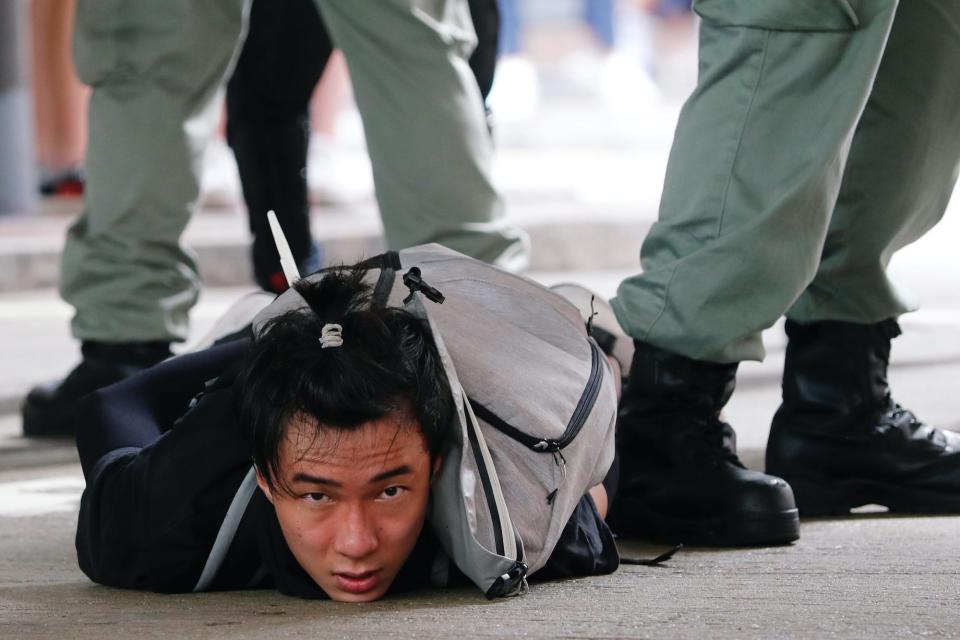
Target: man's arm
{"type": "Point", "coordinates": [136, 411]}
{"type": "Point", "coordinates": [155, 495]}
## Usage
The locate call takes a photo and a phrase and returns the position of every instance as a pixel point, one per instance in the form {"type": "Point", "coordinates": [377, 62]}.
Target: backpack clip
{"type": "Point", "coordinates": [414, 281]}
{"type": "Point", "coordinates": [511, 583]}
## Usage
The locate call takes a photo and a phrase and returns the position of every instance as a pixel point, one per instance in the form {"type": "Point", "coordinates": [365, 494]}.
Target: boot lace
{"type": "Point", "coordinates": [721, 441]}
{"type": "Point", "coordinates": [898, 418]}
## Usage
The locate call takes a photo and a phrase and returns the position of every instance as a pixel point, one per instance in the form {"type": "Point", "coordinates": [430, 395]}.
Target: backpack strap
{"type": "Point", "coordinates": [228, 529]}
{"type": "Point", "coordinates": [388, 275]}
{"type": "Point", "coordinates": [389, 264]}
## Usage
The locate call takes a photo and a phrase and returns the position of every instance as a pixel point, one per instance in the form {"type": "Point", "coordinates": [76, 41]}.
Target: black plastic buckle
{"type": "Point", "coordinates": [414, 281]}
{"type": "Point", "coordinates": [509, 583]}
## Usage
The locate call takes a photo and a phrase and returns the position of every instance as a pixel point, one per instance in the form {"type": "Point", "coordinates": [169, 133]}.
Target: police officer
{"type": "Point", "coordinates": [823, 136]}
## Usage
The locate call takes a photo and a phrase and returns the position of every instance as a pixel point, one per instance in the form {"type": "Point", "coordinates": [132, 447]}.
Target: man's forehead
{"type": "Point", "coordinates": [369, 444]}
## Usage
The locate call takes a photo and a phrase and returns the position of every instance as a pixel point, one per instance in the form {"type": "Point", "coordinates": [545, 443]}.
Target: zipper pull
{"type": "Point", "coordinates": [414, 281]}
{"type": "Point", "coordinates": [593, 314]}
{"type": "Point", "coordinates": [561, 462]}
{"type": "Point", "coordinates": [511, 583]}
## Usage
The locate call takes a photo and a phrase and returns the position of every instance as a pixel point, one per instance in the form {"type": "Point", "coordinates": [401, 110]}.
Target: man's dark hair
{"type": "Point", "coordinates": [388, 363]}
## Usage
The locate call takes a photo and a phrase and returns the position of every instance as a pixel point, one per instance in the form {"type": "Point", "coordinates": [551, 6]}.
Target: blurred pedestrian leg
{"type": "Point", "coordinates": [17, 182]}
{"type": "Point", "coordinates": [268, 128]}
{"type": "Point", "coordinates": [60, 100]}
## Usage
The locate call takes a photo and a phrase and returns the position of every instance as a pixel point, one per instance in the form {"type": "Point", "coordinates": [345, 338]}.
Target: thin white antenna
{"type": "Point", "coordinates": [287, 263]}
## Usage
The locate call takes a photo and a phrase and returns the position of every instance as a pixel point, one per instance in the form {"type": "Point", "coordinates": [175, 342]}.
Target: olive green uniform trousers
{"type": "Point", "coordinates": [157, 68]}
{"type": "Point", "coordinates": [822, 136]}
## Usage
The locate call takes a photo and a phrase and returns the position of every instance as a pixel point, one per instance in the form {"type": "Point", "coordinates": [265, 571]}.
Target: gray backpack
{"type": "Point", "coordinates": [536, 407]}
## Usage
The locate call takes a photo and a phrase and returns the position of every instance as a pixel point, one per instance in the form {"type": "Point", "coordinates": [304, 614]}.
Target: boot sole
{"type": "Point", "coordinates": [741, 529]}
{"type": "Point", "coordinates": [823, 498]}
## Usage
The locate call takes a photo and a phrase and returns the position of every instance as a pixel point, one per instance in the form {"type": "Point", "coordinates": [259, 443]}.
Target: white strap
{"type": "Point", "coordinates": [228, 530]}
{"type": "Point", "coordinates": [287, 263]}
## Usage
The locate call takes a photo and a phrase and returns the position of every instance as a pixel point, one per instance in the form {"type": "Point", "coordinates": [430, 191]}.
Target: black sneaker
{"type": "Point", "coordinates": [681, 479]}
{"type": "Point", "coordinates": [69, 183]}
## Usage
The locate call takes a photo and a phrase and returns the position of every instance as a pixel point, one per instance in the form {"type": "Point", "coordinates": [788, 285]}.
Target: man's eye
{"type": "Point", "coordinates": [316, 497]}
{"type": "Point", "coordinates": [392, 492]}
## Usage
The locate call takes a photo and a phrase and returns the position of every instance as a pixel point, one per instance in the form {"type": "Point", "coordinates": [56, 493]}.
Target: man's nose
{"type": "Point", "coordinates": [356, 532]}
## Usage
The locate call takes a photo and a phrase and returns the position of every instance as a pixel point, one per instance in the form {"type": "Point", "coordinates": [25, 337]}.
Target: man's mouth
{"type": "Point", "coordinates": [358, 582]}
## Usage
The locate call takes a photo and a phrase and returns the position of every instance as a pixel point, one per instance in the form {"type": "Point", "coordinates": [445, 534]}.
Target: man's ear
{"type": "Point", "coordinates": [262, 483]}
{"type": "Point", "coordinates": [435, 472]}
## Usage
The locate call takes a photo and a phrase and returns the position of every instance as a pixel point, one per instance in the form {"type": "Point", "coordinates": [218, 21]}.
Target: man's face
{"type": "Point", "coordinates": [358, 503]}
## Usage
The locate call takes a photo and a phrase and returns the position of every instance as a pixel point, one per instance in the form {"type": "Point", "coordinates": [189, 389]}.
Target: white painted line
{"type": "Point", "coordinates": [59, 494]}
{"type": "Point", "coordinates": [47, 307]}
{"type": "Point", "coordinates": [932, 318]}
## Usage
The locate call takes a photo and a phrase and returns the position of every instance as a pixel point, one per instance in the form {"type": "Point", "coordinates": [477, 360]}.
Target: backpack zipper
{"type": "Point", "coordinates": [577, 420]}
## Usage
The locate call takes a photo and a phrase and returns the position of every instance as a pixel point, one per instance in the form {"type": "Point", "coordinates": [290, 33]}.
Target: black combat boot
{"type": "Point", "coordinates": [841, 440]}
{"type": "Point", "coordinates": [681, 479]}
{"type": "Point", "coordinates": [48, 409]}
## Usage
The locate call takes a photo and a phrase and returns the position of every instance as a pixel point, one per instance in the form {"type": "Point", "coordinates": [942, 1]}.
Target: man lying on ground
{"type": "Point", "coordinates": [344, 409]}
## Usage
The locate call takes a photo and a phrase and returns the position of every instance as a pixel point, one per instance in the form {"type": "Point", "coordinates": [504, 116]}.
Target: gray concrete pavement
{"type": "Point", "coordinates": [860, 577]}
